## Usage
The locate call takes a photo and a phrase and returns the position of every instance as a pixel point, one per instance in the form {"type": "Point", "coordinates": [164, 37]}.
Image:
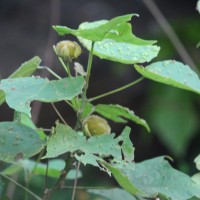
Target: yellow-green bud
{"type": "Point", "coordinates": [68, 50]}
{"type": "Point", "coordinates": [95, 125]}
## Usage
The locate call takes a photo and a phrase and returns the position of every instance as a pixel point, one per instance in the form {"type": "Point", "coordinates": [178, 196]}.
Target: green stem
{"type": "Point", "coordinates": [21, 186]}
{"type": "Point", "coordinates": [117, 90]}
{"type": "Point", "coordinates": [50, 71]}
{"type": "Point", "coordinates": [66, 67]}
{"type": "Point", "coordinates": [87, 79]}
{"type": "Point", "coordinates": [59, 78]}
{"type": "Point", "coordinates": [89, 67]}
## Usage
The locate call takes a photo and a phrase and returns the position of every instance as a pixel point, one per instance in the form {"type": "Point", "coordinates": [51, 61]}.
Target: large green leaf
{"type": "Point", "coordinates": [94, 149]}
{"type": "Point", "coordinates": [173, 73]}
{"type": "Point", "coordinates": [173, 117]}
{"type": "Point", "coordinates": [157, 177]}
{"type": "Point", "coordinates": [18, 141]}
{"type": "Point", "coordinates": [113, 29]}
{"type": "Point", "coordinates": [128, 51]}
{"type": "Point", "coordinates": [20, 92]}
{"type": "Point", "coordinates": [24, 119]}
{"type": "Point", "coordinates": [26, 69]}
{"type": "Point", "coordinates": [119, 114]}
{"type": "Point", "coordinates": [123, 179]}
{"type": "Point", "coordinates": [114, 40]}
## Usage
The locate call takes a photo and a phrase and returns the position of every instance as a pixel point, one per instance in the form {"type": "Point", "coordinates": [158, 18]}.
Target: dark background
{"type": "Point", "coordinates": [26, 31]}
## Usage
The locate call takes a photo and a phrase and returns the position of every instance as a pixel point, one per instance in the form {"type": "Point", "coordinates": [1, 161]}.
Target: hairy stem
{"type": "Point", "coordinates": [116, 90]}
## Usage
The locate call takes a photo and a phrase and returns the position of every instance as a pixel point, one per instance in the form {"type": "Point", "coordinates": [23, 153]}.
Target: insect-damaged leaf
{"type": "Point", "coordinates": [20, 92]}
{"type": "Point", "coordinates": [173, 73]}
{"type": "Point", "coordinates": [18, 141]}
{"type": "Point", "coordinates": [26, 69]}
{"type": "Point", "coordinates": [157, 177]}
{"type": "Point", "coordinates": [120, 114]}
{"type": "Point", "coordinates": [114, 40]}
{"type": "Point", "coordinates": [92, 150]}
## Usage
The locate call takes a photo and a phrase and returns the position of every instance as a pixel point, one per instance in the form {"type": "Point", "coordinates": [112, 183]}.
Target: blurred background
{"type": "Point", "coordinates": [173, 114]}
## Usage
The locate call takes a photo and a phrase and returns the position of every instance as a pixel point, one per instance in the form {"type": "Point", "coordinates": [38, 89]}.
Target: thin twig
{"type": "Point", "coordinates": [50, 71]}
{"type": "Point", "coordinates": [116, 90]}
{"type": "Point", "coordinates": [60, 182]}
{"type": "Point", "coordinates": [165, 25]}
{"type": "Point", "coordinates": [76, 180]}
{"type": "Point", "coordinates": [46, 176]}
{"type": "Point", "coordinates": [21, 186]}
{"type": "Point", "coordinates": [58, 113]}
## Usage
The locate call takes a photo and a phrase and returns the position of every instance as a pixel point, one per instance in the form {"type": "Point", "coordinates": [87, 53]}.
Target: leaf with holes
{"type": "Point", "coordinates": [26, 69]}
{"type": "Point", "coordinates": [156, 177]}
{"type": "Point", "coordinates": [18, 141]}
{"type": "Point", "coordinates": [114, 40]}
{"type": "Point", "coordinates": [93, 150]}
{"type": "Point", "coordinates": [120, 114]}
{"type": "Point", "coordinates": [115, 29]}
{"type": "Point", "coordinates": [127, 51]}
{"type": "Point", "coordinates": [173, 73]}
{"type": "Point", "coordinates": [20, 92]}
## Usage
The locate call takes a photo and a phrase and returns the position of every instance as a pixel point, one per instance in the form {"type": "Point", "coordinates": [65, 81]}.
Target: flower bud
{"type": "Point", "coordinates": [68, 50]}
{"type": "Point", "coordinates": [95, 125]}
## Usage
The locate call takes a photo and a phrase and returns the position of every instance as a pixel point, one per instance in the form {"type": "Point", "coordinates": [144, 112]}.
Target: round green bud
{"type": "Point", "coordinates": [95, 125]}
{"type": "Point", "coordinates": [68, 50]}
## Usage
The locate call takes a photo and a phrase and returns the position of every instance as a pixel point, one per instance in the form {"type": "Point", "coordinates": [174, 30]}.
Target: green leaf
{"type": "Point", "coordinates": [123, 180]}
{"type": "Point", "coordinates": [196, 178]}
{"type": "Point", "coordinates": [197, 162]}
{"type": "Point", "coordinates": [26, 69]}
{"type": "Point", "coordinates": [88, 108]}
{"type": "Point", "coordinates": [20, 92]}
{"type": "Point", "coordinates": [198, 6]}
{"type": "Point", "coordinates": [173, 73]}
{"type": "Point", "coordinates": [94, 149]}
{"type": "Point", "coordinates": [119, 114]}
{"type": "Point", "coordinates": [156, 176]}
{"type": "Point", "coordinates": [173, 117]}
{"type": "Point", "coordinates": [12, 169]}
{"type": "Point", "coordinates": [128, 49]}
{"type": "Point", "coordinates": [112, 194]}
{"type": "Point", "coordinates": [54, 168]}
{"type": "Point", "coordinates": [18, 141]}
{"type": "Point", "coordinates": [24, 119]}
{"type": "Point", "coordinates": [101, 30]}
{"type": "Point", "coordinates": [114, 40]}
